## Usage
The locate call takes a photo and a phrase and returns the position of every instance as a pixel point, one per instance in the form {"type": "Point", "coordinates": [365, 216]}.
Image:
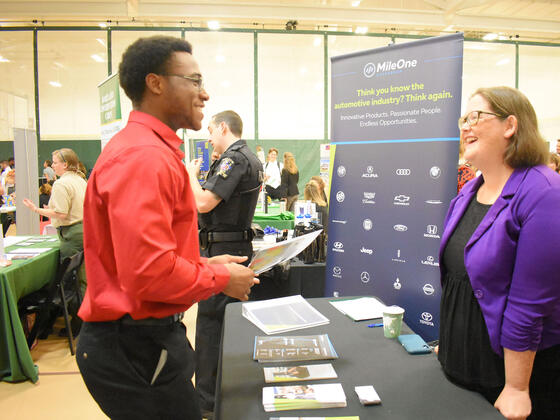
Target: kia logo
{"type": "Point", "coordinates": [364, 276]}
{"type": "Point", "coordinates": [341, 171]}
{"type": "Point", "coordinates": [340, 196]}
{"type": "Point", "coordinates": [431, 229]}
{"type": "Point", "coordinates": [338, 245]}
{"type": "Point", "coordinates": [429, 290]}
{"type": "Point", "coordinates": [400, 228]}
{"type": "Point", "coordinates": [369, 70]}
{"type": "Point", "coordinates": [336, 269]}
{"type": "Point", "coordinates": [403, 172]}
{"type": "Point", "coordinates": [426, 316]}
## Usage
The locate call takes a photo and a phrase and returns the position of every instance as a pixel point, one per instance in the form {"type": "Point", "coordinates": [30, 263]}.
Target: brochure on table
{"type": "Point", "coordinates": [298, 397]}
{"type": "Point", "coordinates": [293, 348]}
{"type": "Point", "coordinates": [299, 373]}
{"type": "Point", "coordinates": [360, 309]}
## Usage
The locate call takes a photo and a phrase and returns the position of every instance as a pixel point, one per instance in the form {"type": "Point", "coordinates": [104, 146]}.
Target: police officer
{"type": "Point", "coordinates": [226, 203]}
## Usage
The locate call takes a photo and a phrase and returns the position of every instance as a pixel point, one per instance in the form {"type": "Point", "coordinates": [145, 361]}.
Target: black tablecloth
{"type": "Point", "coordinates": [410, 386]}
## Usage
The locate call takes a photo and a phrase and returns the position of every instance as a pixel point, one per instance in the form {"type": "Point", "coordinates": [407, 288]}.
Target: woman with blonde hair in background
{"type": "Point", "coordinates": [290, 178]}
{"type": "Point", "coordinates": [312, 192]}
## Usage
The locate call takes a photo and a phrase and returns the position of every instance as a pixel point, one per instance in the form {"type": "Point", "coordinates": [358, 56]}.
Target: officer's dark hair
{"type": "Point", "coordinates": [145, 56]}
{"type": "Point", "coordinates": [232, 120]}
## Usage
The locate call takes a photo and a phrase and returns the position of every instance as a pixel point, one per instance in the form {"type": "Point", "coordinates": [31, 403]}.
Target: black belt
{"type": "Point", "coordinates": [150, 322]}
{"type": "Point", "coordinates": [207, 238]}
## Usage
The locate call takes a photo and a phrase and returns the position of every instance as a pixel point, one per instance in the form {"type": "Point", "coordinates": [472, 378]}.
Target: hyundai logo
{"type": "Point", "coordinates": [400, 228]}
{"type": "Point", "coordinates": [435, 172]}
{"type": "Point", "coordinates": [340, 196]}
{"type": "Point", "coordinates": [338, 245]}
{"type": "Point", "coordinates": [337, 270]}
{"type": "Point", "coordinates": [364, 277]}
{"type": "Point", "coordinates": [369, 70]}
{"type": "Point", "coordinates": [426, 316]}
{"type": "Point", "coordinates": [428, 290]}
{"type": "Point", "coordinates": [341, 171]}
{"type": "Point", "coordinates": [403, 172]}
{"type": "Point", "coordinates": [431, 229]}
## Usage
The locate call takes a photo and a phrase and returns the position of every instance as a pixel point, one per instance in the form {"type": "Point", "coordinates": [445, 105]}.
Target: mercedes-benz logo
{"type": "Point", "coordinates": [364, 277]}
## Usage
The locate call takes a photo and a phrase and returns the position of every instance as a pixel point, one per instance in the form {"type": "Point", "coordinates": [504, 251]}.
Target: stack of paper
{"type": "Point", "coordinates": [317, 418]}
{"type": "Point", "coordinates": [293, 348]}
{"type": "Point", "coordinates": [283, 314]}
{"type": "Point", "coordinates": [299, 397]}
{"type": "Point", "coordinates": [360, 308]}
{"type": "Point", "coordinates": [299, 373]}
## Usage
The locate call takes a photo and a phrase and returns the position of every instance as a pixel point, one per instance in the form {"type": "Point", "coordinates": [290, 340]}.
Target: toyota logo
{"type": "Point", "coordinates": [426, 316]}
{"type": "Point", "coordinates": [338, 245]}
{"type": "Point", "coordinates": [341, 171]}
{"type": "Point", "coordinates": [429, 290]}
{"type": "Point", "coordinates": [403, 172]}
{"type": "Point", "coordinates": [369, 70]}
{"type": "Point", "coordinates": [340, 196]}
{"type": "Point", "coordinates": [337, 270]}
{"type": "Point", "coordinates": [364, 277]}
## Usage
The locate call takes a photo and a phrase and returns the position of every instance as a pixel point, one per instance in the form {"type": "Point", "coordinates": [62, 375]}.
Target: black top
{"type": "Point", "coordinates": [464, 345]}
{"type": "Point", "coordinates": [289, 183]}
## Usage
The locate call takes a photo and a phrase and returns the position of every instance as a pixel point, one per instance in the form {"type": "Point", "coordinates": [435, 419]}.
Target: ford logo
{"type": "Point", "coordinates": [426, 316]}
{"type": "Point", "coordinates": [400, 228]}
{"type": "Point", "coordinates": [404, 172]}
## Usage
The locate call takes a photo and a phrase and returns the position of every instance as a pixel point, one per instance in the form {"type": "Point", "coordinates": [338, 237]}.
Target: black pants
{"type": "Point", "coordinates": [209, 322]}
{"type": "Point", "coordinates": [119, 366]}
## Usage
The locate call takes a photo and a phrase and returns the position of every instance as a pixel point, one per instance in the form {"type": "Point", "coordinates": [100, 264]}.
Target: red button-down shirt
{"type": "Point", "coordinates": [140, 229]}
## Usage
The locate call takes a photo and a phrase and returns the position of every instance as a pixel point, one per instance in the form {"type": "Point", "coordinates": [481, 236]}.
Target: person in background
{"type": "Point", "coordinates": [44, 197]}
{"type": "Point", "coordinates": [141, 245]}
{"type": "Point", "coordinates": [290, 178]}
{"type": "Point", "coordinates": [465, 172]}
{"type": "Point", "coordinates": [272, 178]}
{"type": "Point", "coordinates": [321, 182]}
{"type": "Point", "coordinates": [226, 203]}
{"type": "Point", "coordinates": [260, 154]}
{"type": "Point", "coordinates": [558, 147]}
{"type": "Point", "coordinates": [312, 192]}
{"type": "Point", "coordinates": [8, 191]}
{"type": "Point", "coordinates": [500, 304]}
{"type": "Point", "coordinates": [554, 162]}
{"type": "Point", "coordinates": [48, 172]}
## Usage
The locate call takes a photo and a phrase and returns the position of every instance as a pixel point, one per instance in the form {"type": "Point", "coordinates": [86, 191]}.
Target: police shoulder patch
{"type": "Point", "coordinates": [226, 165]}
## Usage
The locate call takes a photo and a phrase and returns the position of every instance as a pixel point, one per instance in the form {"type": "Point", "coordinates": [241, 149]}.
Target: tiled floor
{"type": "Point", "coordinates": [60, 393]}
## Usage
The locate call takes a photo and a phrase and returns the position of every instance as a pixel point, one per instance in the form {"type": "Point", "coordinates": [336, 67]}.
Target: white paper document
{"type": "Point", "coordinates": [266, 258]}
{"type": "Point", "coordinates": [361, 308]}
{"type": "Point", "coordinates": [283, 314]}
{"type": "Point", "coordinates": [12, 240]}
{"type": "Point", "coordinates": [34, 251]}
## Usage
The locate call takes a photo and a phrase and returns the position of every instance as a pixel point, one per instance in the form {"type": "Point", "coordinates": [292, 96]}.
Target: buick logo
{"type": "Point", "coordinates": [336, 270]}
{"type": "Point", "coordinates": [338, 245]}
{"type": "Point", "coordinates": [403, 172]}
{"type": "Point", "coordinates": [400, 228]}
{"type": "Point", "coordinates": [369, 70]}
{"type": "Point", "coordinates": [435, 172]}
{"type": "Point", "coordinates": [368, 224]}
{"type": "Point", "coordinates": [429, 290]}
{"type": "Point", "coordinates": [340, 196]}
{"type": "Point", "coordinates": [426, 316]}
{"type": "Point", "coordinates": [341, 171]}
{"type": "Point", "coordinates": [364, 277]}
{"type": "Point", "coordinates": [431, 229]}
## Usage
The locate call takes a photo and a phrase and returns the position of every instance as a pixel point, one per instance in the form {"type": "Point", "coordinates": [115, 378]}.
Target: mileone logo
{"type": "Point", "coordinates": [370, 69]}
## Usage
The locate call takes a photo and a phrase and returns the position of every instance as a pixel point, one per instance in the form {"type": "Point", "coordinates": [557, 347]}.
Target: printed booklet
{"type": "Point", "coordinates": [299, 397]}
{"type": "Point", "coordinates": [293, 348]}
{"type": "Point", "coordinates": [299, 373]}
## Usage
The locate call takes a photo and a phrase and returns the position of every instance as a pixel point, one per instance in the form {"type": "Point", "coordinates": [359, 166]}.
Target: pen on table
{"type": "Point", "coordinates": [375, 325]}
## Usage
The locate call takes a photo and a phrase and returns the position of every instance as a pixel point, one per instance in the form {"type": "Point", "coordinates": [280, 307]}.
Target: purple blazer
{"type": "Point", "coordinates": [513, 259]}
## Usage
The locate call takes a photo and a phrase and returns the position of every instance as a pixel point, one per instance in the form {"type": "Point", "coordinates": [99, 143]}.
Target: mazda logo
{"type": "Point", "coordinates": [364, 276]}
{"type": "Point", "coordinates": [338, 245]}
{"type": "Point", "coordinates": [404, 172]}
{"type": "Point", "coordinates": [426, 316]}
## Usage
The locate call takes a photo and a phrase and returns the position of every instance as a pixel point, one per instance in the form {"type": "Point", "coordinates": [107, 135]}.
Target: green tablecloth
{"type": "Point", "coordinates": [16, 281]}
{"type": "Point", "coordinates": [274, 218]}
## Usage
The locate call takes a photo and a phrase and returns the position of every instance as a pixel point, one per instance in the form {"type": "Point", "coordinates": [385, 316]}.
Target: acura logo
{"type": "Point", "coordinates": [403, 172]}
{"type": "Point", "coordinates": [400, 228]}
{"type": "Point", "coordinates": [369, 169]}
{"type": "Point", "coordinates": [338, 245]}
{"type": "Point", "coordinates": [364, 276]}
{"type": "Point", "coordinates": [426, 316]}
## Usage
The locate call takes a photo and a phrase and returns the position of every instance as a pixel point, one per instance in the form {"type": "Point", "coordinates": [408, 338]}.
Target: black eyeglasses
{"type": "Point", "coordinates": [197, 80]}
{"type": "Point", "coordinates": [472, 118]}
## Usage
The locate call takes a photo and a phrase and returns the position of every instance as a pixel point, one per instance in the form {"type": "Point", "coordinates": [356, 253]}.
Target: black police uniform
{"type": "Point", "coordinates": [236, 178]}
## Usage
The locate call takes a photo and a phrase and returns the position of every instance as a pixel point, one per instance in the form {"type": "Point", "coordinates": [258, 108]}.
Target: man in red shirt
{"type": "Point", "coordinates": [141, 245]}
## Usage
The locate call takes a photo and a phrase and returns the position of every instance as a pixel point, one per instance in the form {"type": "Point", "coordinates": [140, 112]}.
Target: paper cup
{"type": "Point", "coordinates": [392, 321]}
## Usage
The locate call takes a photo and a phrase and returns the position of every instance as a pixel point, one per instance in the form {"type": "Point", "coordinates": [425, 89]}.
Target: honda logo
{"type": "Point", "coordinates": [431, 229]}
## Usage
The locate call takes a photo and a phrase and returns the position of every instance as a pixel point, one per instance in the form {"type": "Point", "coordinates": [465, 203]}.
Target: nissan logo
{"type": "Point", "coordinates": [404, 172]}
{"type": "Point", "coordinates": [400, 228]}
{"type": "Point", "coordinates": [364, 276]}
{"type": "Point", "coordinates": [338, 245]}
{"type": "Point", "coordinates": [426, 316]}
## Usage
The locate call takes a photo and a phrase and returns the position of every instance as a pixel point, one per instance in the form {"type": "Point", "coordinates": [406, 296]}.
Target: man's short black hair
{"type": "Point", "coordinates": [144, 56]}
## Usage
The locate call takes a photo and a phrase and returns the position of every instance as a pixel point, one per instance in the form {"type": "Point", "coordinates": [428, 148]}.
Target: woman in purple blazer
{"type": "Point", "coordinates": [500, 262]}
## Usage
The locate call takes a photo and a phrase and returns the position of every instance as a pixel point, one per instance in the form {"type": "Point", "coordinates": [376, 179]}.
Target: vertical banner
{"type": "Point", "coordinates": [110, 106]}
{"type": "Point", "coordinates": [201, 151]}
{"type": "Point", "coordinates": [394, 158]}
